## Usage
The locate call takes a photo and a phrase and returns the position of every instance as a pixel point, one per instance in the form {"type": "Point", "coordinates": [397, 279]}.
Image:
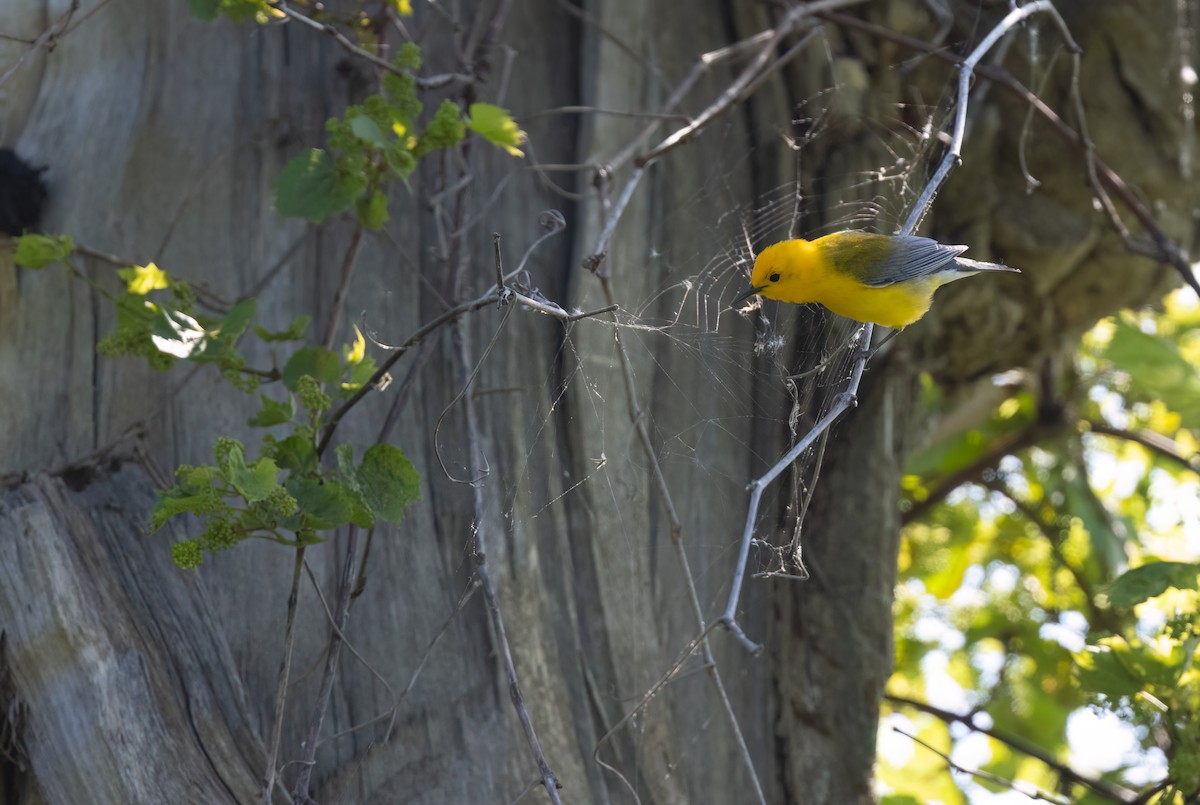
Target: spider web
{"type": "Point", "coordinates": [721, 393]}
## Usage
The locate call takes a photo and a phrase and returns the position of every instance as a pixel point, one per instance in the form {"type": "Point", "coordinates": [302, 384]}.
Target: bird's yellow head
{"type": "Point", "coordinates": [779, 272]}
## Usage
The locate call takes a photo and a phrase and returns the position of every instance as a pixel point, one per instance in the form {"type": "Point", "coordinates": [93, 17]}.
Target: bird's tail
{"type": "Point", "coordinates": [972, 266]}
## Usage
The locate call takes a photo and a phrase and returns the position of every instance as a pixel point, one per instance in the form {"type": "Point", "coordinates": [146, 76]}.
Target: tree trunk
{"type": "Point", "coordinates": [137, 682]}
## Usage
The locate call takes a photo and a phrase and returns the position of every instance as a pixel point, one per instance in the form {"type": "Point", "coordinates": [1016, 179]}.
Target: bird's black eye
{"type": "Point", "coordinates": [774, 277]}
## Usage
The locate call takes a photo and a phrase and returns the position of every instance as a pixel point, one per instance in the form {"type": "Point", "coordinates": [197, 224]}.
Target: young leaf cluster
{"type": "Point", "coordinates": [378, 141]}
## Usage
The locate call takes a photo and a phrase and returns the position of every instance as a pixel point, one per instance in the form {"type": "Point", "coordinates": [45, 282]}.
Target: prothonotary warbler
{"type": "Point", "coordinates": [885, 279]}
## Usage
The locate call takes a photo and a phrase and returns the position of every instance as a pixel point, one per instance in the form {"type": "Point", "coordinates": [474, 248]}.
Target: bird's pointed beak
{"type": "Point", "coordinates": [746, 294]}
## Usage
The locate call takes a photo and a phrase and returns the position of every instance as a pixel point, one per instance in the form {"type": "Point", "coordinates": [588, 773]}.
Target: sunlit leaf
{"type": "Point", "coordinates": [1152, 579]}
{"type": "Point", "coordinates": [177, 333]}
{"type": "Point", "coordinates": [141, 280]}
{"type": "Point", "coordinates": [1157, 370]}
{"type": "Point", "coordinates": [496, 126]}
{"type": "Point", "coordinates": [39, 251]}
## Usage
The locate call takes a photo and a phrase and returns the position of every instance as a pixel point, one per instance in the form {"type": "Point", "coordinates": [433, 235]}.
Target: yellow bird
{"type": "Point", "coordinates": [885, 279]}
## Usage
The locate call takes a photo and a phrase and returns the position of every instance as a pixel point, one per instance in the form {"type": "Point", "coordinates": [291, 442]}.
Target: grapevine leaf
{"type": "Point", "coordinates": [273, 412]}
{"type": "Point", "coordinates": [322, 364]}
{"type": "Point", "coordinates": [497, 127]}
{"type": "Point", "coordinates": [39, 251]}
{"type": "Point", "coordinates": [389, 482]}
{"type": "Point", "coordinates": [309, 186]}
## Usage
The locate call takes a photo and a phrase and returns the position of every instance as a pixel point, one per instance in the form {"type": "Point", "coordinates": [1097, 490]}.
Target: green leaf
{"type": "Point", "coordinates": [322, 505]}
{"type": "Point", "coordinates": [359, 374]}
{"type": "Point", "coordinates": [294, 332]}
{"type": "Point", "coordinates": [389, 482]}
{"type": "Point", "coordinates": [345, 460]}
{"type": "Point", "coordinates": [373, 211]}
{"type": "Point", "coordinates": [295, 454]}
{"type": "Point", "coordinates": [445, 129]}
{"type": "Point", "coordinates": [236, 321]}
{"type": "Point", "coordinates": [39, 251]}
{"type": "Point", "coordinates": [1157, 370]}
{"type": "Point", "coordinates": [497, 127]}
{"type": "Point", "coordinates": [171, 502]}
{"type": "Point", "coordinates": [399, 159]}
{"type": "Point", "coordinates": [368, 130]}
{"type": "Point", "coordinates": [1100, 670]}
{"type": "Point", "coordinates": [204, 9]}
{"type": "Point", "coordinates": [1149, 580]}
{"type": "Point", "coordinates": [963, 449]}
{"type": "Point", "coordinates": [254, 481]}
{"type": "Point", "coordinates": [310, 187]}
{"type": "Point", "coordinates": [273, 412]}
{"type": "Point", "coordinates": [319, 362]}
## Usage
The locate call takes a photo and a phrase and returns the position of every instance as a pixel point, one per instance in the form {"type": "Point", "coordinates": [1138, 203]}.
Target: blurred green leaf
{"type": "Point", "coordinates": [1157, 370]}
{"type": "Point", "coordinates": [1100, 670]}
{"type": "Point", "coordinates": [294, 332]}
{"type": "Point", "coordinates": [39, 251]}
{"type": "Point", "coordinates": [496, 126]}
{"type": "Point", "coordinates": [320, 363]}
{"type": "Point", "coordinates": [1150, 580]}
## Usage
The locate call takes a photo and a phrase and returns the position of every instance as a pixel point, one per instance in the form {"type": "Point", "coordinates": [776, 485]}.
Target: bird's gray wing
{"type": "Point", "coordinates": [913, 258]}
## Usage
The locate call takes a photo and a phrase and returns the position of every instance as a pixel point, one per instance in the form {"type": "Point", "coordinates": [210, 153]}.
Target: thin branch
{"type": "Point", "coordinates": [736, 90]}
{"type": "Point", "coordinates": [425, 330]}
{"type": "Point", "coordinates": [1156, 443]}
{"type": "Point", "coordinates": [1161, 247]}
{"type": "Point", "coordinates": [431, 82]}
{"type": "Point", "coordinates": [333, 654]}
{"type": "Point", "coordinates": [849, 398]}
{"type": "Point", "coordinates": [285, 670]}
{"type": "Point", "coordinates": [966, 71]}
{"type": "Point", "coordinates": [480, 529]}
{"type": "Point", "coordinates": [988, 459]}
{"type": "Point", "coordinates": [638, 418]}
{"type": "Point", "coordinates": [1102, 788]}
{"type": "Point", "coordinates": [1029, 790]}
{"type": "Point", "coordinates": [769, 41]}
{"type": "Point", "coordinates": [339, 297]}
{"type": "Point", "coordinates": [45, 39]}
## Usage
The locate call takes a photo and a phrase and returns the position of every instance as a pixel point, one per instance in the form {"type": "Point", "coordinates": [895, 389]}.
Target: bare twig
{"type": "Point", "coordinates": [45, 39]}
{"type": "Point", "coordinates": [1161, 247]}
{"type": "Point", "coordinates": [339, 297]}
{"type": "Point", "coordinates": [285, 670]}
{"type": "Point", "coordinates": [481, 529]}
{"type": "Point", "coordinates": [431, 82]}
{"type": "Point", "coordinates": [1007, 445]}
{"type": "Point", "coordinates": [848, 398]}
{"type": "Point", "coordinates": [1102, 788]}
{"type": "Point", "coordinates": [637, 417]}
{"type": "Point", "coordinates": [425, 330]}
{"type": "Point", "coordinates": [332, 655]}
{"type": "Point", "coordinates": [1156, 443]}
{"type": "Point", "coordinates": [767, 42]}
{"type": "Point", "coordinates": [1031, 791]}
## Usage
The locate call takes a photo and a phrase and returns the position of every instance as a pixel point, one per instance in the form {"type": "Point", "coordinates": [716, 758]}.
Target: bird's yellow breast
{"type": "Point", "coordinates": [807, 275]}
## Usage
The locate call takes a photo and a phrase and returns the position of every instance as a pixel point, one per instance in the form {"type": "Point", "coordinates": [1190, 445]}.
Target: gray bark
{"type": "Point", "coordinates": [163, 136]}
